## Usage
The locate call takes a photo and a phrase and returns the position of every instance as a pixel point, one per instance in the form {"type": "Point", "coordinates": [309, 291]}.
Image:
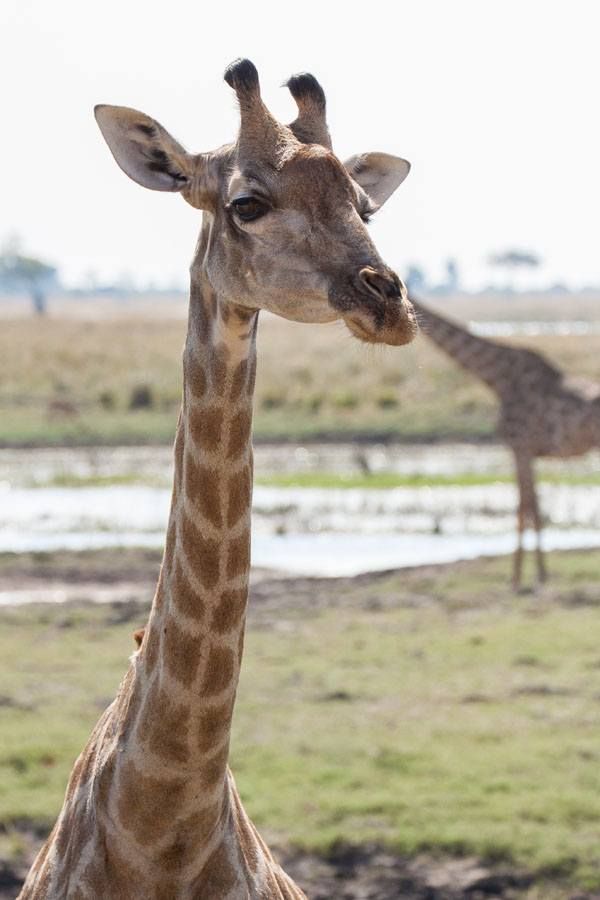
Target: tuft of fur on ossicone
{"type": "Point", "coordinates": [242, 76]}
{"type": "Point", "coordinates": [306, 91]}
{"type": "Point", "coordinates": [310, 127]}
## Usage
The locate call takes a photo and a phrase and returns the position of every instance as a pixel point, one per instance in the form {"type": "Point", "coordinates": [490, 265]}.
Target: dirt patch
{"type": "Point", "coordinates": [370, 872]}
{"type": "Point", "coordinates": [129, 576]}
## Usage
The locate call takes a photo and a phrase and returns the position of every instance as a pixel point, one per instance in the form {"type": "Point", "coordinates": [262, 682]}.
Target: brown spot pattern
{"type": "Point", "coordinates": [202, 485]}
{"type": "Point", "coordinates": [219, 671]}
{"type": "Point", "coordinates": [147, 805]}
{"type": "Point", "coordinates": [219, 368]}
{"type": "Point", "coordinates": [238, 382]}
{"type": "Point", "coordinates": [213, 770]}
{"type": "Point", "coordinates": [228, 613]}
{"type": "Point", "coordinates": [239, 434]}
{"type": "Point", "coordinates": [181, 652]}
{"type": "Point", "coordinates": [202, 553]}
{"type": "Point", "coordinates": [214, 725]}
{"type": "Point", "coordinates": [238, 555]}
{"type": "Point", "coordinates": [205, 426]}
{"type": "Point", "coordinates": [239, 496]}
{"type": "Point", "coordinates": [164, 726]}
{"type": "Point", "coordinates": [108, 873]}
{"type": "Point", "coordinates": [242, 313]}
{"type": "Point", "coordinates": [195, 376]}
{"type": "Point", "coordinates": [217, 879]}
{"type": "Point", "coordinates": [190, 834]}
{"type": "Point", "coordinates": [184, 596]}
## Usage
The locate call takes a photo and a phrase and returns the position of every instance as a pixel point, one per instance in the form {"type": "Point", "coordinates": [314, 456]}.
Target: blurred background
{"type": "Point", "coordinates": [448, 740]}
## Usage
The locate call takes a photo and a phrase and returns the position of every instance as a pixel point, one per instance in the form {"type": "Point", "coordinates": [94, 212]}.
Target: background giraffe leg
{"type": "Point", "coordinates": [537, 521]}
{"type": "Point", "coordinates": [518, 554]}
{"type": "Point", "coordinates": [527, 511]}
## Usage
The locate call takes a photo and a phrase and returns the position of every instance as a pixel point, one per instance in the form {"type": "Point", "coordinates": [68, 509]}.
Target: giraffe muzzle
{"type": "Point", "coordinates": [383, 285]}
{"type": "Point", "coordinates": [383, 313]}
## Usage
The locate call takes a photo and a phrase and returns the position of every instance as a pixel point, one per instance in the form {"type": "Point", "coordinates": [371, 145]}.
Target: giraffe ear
{"type": "Point", "coordinates": [379, 174]}
{"type": "Point", "coordinates": [144, 149]}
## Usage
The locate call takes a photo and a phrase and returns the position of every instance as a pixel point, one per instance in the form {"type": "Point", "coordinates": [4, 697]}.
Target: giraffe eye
{"type": "Point", "coordinates": [248, 209]}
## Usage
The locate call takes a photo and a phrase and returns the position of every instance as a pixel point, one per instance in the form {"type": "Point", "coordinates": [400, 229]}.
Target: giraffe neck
{"type": "Point", "coordinates": [486, 359]}
{"type": "Point", "coordinates": [176, 743]}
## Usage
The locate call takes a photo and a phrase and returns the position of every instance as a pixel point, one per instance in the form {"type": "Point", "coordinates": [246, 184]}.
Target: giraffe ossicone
{"type": "Point", "coordinates": [151, 809]}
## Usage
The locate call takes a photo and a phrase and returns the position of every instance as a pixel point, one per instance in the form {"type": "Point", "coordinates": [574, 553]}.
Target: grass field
{"type": "Point", "coordinates": [424, 709]}
{"type": "Point", "coordinates": [118, 380]}
{"type": "Point", "coordinates": [334, 480]}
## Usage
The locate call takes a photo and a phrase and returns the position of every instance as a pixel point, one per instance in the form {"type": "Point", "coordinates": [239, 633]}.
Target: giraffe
{"type": "Point", "coordinates": [543, 412]}
{"type": "Point", "coordinates": [151, 809]}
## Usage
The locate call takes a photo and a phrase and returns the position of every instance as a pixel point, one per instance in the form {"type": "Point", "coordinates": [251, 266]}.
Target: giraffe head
{"type": "Point", "coordinates": [285, 220]}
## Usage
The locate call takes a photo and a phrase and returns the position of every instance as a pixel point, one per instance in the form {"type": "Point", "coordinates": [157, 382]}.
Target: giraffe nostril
{"type": "Point", "coordinates": [385, 286]}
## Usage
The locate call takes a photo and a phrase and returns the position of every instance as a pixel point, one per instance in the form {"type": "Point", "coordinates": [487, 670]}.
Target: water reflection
{"type": "Point", "coordinates": [308, 530]}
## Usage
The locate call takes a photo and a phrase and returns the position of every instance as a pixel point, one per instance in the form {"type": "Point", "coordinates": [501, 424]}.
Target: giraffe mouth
{"type": "Point", "coordinates": [393, 324]}
{"type": "Point", "coordinates": [358, 330]}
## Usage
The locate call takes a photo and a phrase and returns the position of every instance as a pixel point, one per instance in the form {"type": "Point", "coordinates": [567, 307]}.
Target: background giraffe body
{"type": "Point", "coordinates": [542, 412]}
{"type": "Point", "coordinates": [151, 810]}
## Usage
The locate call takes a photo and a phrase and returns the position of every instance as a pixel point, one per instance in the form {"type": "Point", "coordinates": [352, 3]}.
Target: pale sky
{"type": "Point", "coordinates": [495, 103]}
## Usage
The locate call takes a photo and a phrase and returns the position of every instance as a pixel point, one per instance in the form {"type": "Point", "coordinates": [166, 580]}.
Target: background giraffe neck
{"type": "Point", "coordinates": [175, 744]}
{"type": "Point", "coordinates": [488, 360]}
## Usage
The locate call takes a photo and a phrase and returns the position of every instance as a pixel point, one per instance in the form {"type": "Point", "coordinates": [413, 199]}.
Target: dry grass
{"type": "Point", "coordinates": [109, 380]}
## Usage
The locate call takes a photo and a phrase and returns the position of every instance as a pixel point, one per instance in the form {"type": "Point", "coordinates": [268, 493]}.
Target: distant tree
{"type": "Point", "coordinates": [415, 280]}
{"type": "Point", "coordinates": [513, 261]}
{"type": "Point", "coordinates": [25, 274]}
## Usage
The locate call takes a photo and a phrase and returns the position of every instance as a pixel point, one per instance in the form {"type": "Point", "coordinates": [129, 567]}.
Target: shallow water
{"type": "Point", "coordinates": [535, 328]}
{"type": "Point", "coordinates": [301, 530]}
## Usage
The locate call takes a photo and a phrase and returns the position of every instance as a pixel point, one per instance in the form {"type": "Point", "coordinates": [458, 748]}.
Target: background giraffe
{"type": "Point", "coordinates": [151, 809]}
{"type": "Point", "coordinates": [543, 412]}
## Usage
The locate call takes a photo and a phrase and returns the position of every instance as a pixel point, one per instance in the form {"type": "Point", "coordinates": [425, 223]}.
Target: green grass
{"type": "Point", "coordinates": [319, 479]}
{"type": "Point", "coordinates": [91, 428]}
{"type": "Point", "coordinates": [73, 480]}
{"type": "Point", "coordinates": [393, 479]}
{"type": "Point", "coordinates": [425, 709]}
